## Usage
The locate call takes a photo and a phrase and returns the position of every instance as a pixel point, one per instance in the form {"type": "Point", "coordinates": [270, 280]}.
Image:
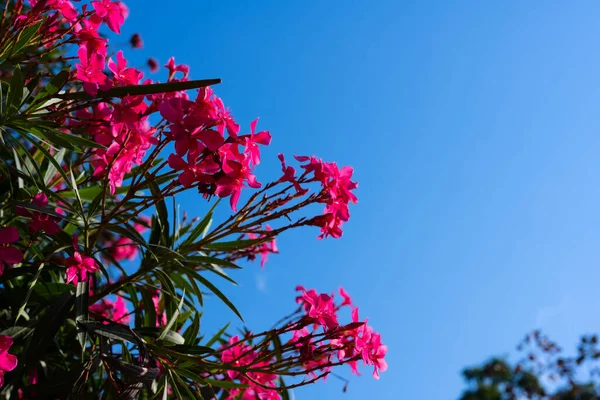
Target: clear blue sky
{"type": "Point", "coordinates": [473, 128]}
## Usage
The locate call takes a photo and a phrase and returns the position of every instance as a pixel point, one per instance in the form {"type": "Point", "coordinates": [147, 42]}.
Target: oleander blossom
{"type": "Point", "coordinates": [79, 265]}
{"type": "Point", "coordinates": [8, 361]}
{"type": "Point", "coordinates": [41, 221]}
{"type": "Point", "coordinates": [319, 341]}
{"type": "Point", "coordinates": [356, 341]}
{"type": "Point", "coordinates": [115, 310]}
{"type": "Point", "coordinates": [9, 255]}
{"type": "Point", "coordinates": [123, 248]}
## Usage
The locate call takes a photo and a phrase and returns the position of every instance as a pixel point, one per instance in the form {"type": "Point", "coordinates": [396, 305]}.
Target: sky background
{"type": "Point", "coordinates": [473, 128]}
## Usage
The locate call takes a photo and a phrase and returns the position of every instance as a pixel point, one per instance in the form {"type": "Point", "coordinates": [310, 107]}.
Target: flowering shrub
{"type": "Point", "coordinates": [100, 285]}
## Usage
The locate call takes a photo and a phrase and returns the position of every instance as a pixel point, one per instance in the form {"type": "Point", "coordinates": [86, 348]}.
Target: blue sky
{"type": "Point", "coordinates": [473, 130]}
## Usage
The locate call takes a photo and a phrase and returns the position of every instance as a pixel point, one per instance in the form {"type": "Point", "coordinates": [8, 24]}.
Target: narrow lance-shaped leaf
{"type": "Point", "coordinates": [15, 92]}
{"type": "Point", "coordinates": [82, 296]}
{"type": "Point", "coordinates": [173, 318]}
{"type": "Point", "coordinates": [138, 90]}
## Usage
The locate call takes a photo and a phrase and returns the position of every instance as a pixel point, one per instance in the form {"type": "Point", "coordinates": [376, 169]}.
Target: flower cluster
{"type": "Point", "coordinates": [204, 156]}
{"type": "Point", "coordinates": [336, 191]}
{"type": "Point", "coordinates": [353, 342]}
{"type": "Point", "coordinates": [318, 343]}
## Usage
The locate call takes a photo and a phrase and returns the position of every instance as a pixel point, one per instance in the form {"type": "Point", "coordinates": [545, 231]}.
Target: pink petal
{"type": "Point", "coordinates": [211, 138]}
{"type": "Point", "coordinates": [40, 199]}
{"type": "Point", "coordinates": [72, 275]}
{"type": "Point", "coordinates": [8, 362]}
{"type": "Point", "coordinates": [177, 163]}
{"type": "Point", "coordinates": [10, 255]}
{"type": "Point", "coordinates": [5, 342]}
{"type": "Point", "coordinates": [187, 178]}
{"type": "Point", "coordinates": [253, 126]}
{"type": "Point", "coordinates": [263, 138]}
{"type": "Point", "coordinates": [9, 235]}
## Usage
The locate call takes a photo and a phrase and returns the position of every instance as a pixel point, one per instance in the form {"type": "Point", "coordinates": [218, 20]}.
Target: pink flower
{"type": "Point", "coordinates": [8, 361]}
{"type": "Point", "coordinates": [337, 188]}
{"type": "Point", "coordinates": [319, 307]}
{"type": "Point", "coordinates": [347, 300]}
{"type": "Point", "coordinates": [113, 310]}
{"type": "Point", "coordinates": [40, 221]}
{"type": "Point", "coordinates": [123, 75]}
{"type": "Point", "coordinates": [78, 265]}
{"type": "Point", "coordinates": [237, 171]}
{"type": "Point", "coordinates": [368, 345]}
{"type": "Point", "coordinates": [161, 317]}
{"type": "Point", "coordinates": [113, 13]}
{"type": "Point", "coordinates": [237, 356]}
{"type": "Point", "coordinates": [123, 249]}
{"type": "Point", "coordinates": [90, 70]}
{"type": "Point", "coordinates": [66, 8]}
{"type": "Point", "coordinates": [251, 143]}
{"type": "Point", "coordinates": [9, 255]}
{"type": "Point", "coordinates": [170, 65]}
{"type": "Point", "coordinates": [289, 175]}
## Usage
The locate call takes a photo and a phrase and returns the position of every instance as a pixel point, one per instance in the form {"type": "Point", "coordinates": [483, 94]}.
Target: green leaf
{"type": "Point", "coordinates": [82, 297]}
{"type": "Point", "coordinates": [15, 92]}
{"type": "Point", "coordinates": [137, 90]}
{"type": "Point", "coordinates": [225, 384]}
{"type": "Point", "coordinates": [74, 186]}
{"type": "Point", "coordinates": [170, 336]}
{"type": "Point", "coordinates": [181, 384]}
{"type": "Point", "coordinates": [49, 157]}
{"type": "Point", "coordinates": [217, 336]}
{"type": "Point", "coordinates": [15, 331]}
{"type": "Point", "coordinates": [112, 331]}
{"type": "Point", "coordinates": [91, 192]}
{"type": "Point", "coordinates": [25, 37]}
{"type": "Point", "coordinates": [216, 291]}
{"type": "Point", "coordinates": [149, 310]}
{"type": "Point", "coordinates": [29, 291]}
{"type": "Point", "coordinates": [135, 372]}
{"type": "Point", "coordinates": [191, 375]}
{"type": "Point", "coordinates": [173, 318]}
{"type": "Point", "coordinates": [201, 227]}
{"type": "Point", "coordinates": [192, 331]}
{"type": "Point", "coordinates": [189, 349]}
{"type": "Point", "coordinates": [284, 393]}
{"type": "Point", "coordinates": [168, 291]}
{"type": "Point", "coordinates": [277, 346]}
{"type": "Point", "coordinates": [51, 88]}
{"type": "Point", "coordinates": [163, 214]}
{"type": "Point", "coordinates": [203, 260]}
{"type": "Point", "coordinates": [48, 290]}
{"type": "Point", "coordinates": [19, 168]}
{"type": "Point", "coordinates": [77, 140]}
{"type": "Point", "coordinates": [48, 326]}
{"type": "Point", "coordinates": [51, 170]}
{"type": "Point", "coordinates": [165, 395]}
